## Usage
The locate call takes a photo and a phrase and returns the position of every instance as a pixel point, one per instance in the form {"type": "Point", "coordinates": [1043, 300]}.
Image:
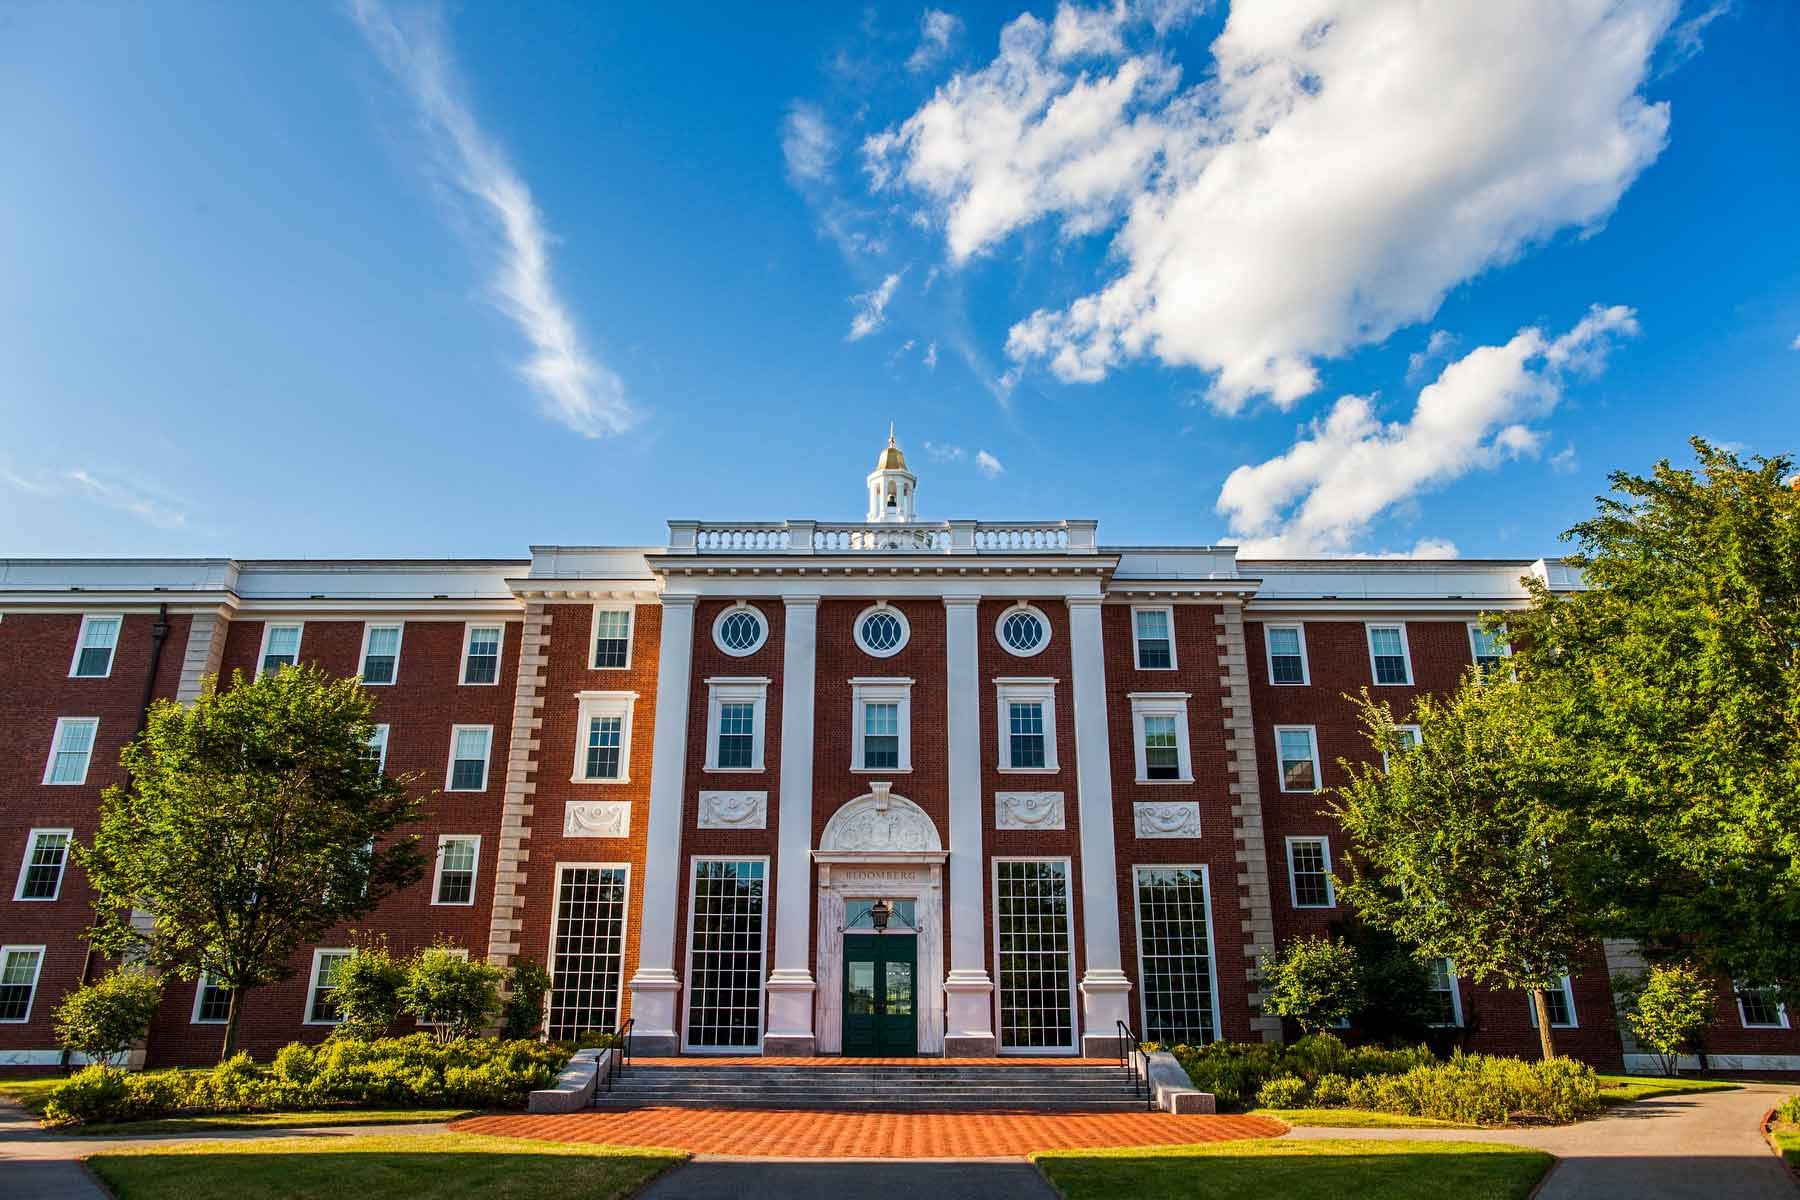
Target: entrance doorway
{"type": "Point", "coordinates": [881, 995]}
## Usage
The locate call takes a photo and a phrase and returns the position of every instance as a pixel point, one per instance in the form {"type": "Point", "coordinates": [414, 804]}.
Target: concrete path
{"type": "Point", "coordinates": [851, 1180]}
{"type": "Point", "coordinates": [1704, 1146]}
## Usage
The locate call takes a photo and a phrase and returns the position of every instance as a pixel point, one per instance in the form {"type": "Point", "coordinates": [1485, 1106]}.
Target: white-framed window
{"type": "Point", "coordinates": [1309, 873]}
{"type": "Point", "coordinates": [1486, 649]}
{"type": "Point", "coordinates": [212, 1003]}
{"type": "Point", "coordinates": [1023, 630]}
{"type": "Point", "coordinates": [280, 647]}
{"type": "Point", "coordinates": [46, 857]}
{"type": "Point", "coordinates": [881, 630]}
{"type": "Point", "coordinates": [740, 630]}
{"type": "Point", "coordinates": [1159, 737]}
{"type": "Point", "coordinates": [603, 737]}
{"type": "Point", "coordinates": [587, 948]}
{"type": "Point", "coordinates": [71, 748]}
{"type": "Point", "coordinates": [94, 646]}
{"type": "Point", "coordinates": [1178, 980]}
{"type": "Point", "coordinates": [1297, 755]}
{"type": "Point", "coordinates": [881, 724]}
{"type": "Point", "coordinates": [1562, 1005]}
{"type": "Point", "coordinates": [375, 749]}
{"type": "Point", "coordinates": [1027, 724]}
{"type": "Point", "coordinates": [321, 1005]}
{"type": "Point", "coordinates": [469, 751]}
{"type": "Point", "coordinates": [481, 655]}
{"type": "Point", "coordinates": [1409, 736]}
{"type": "Point", "coordinates": [1389, 659]}
{"type": "Point", "coordinates": [1760, 1007]}
{"type": "Point", "coordinates": [458, 855]}
{"type": "Point", "coordinates": [1153, 637]}
{"type": "Point", "coordinates": [381, 653]}
{"type": "Point", "coordinates": [19, 970]}
{"type": "Point", "coordinates": [1445, 994]}
{"type": "Point", "coordinates": [611, 639]}
{"type": "Point", "coordinates": [726, 950]}
{"type": "Point", "coordinates": [736, 716]}
{"type": "Point", "coordinates": [1286, 647]}
{"type": "Point", "coordinates": [1034, 955]}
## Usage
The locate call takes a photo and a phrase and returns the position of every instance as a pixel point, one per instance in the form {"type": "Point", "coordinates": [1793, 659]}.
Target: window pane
{"type": "Point", "coordinates": [1306, 862]}
{"type": "Point", "coordinates": [1162, 758]}
{"type": "Point", "coordinates": [1025, 731]}
{"type": "Point", "coordinates": [882, 632]}
{"type": "Point", "coordinates": [1761, 1006]}
{"type": "Point", "coordinates": [283, 647]}
{"type": "Point", "coordinates": [18, 975]}
{"type": "Point", "coordinates": [324, 1005]}
{"type": "Point", "coordinates": [605, 741]}
{"type": "Point", "coordinates": [1296, 749]}
{"type": "Point", "coordinates": [1390, 654]}
{"type": "Point", "coordinates": [1175, 956]}
{"type": "Point", "coordinates": [1443, 989]}
{"type": "Point", "coordinates": [456, 876]}
{"type": "Point", "coordinates": [612, 637]}
{"type": "Point", "coordinates": [215, 1002]}
{"type": "Point", "coordinates": [1153, 651]}
{"type": "Point", "coordinates": [725, 955]}
{"type": "Point", "coordinates": [1284, 642]}
{"type": "Point", "coordinates": [1286, 662]}
{"type": "Point", "coordinates": [1031, 902]}
{"type": "Point", "coordinates": [1022, 631]}
{"type": "Point", "coordinates": [75, 743]}
{"type": "Point", "coordinates": [737, 735]}
{"type": "Point", "coordinates": [43, 873]}
{"type": "Point", "coordinates": [741, 631]}
{"type": "Point", "coordinates": [587, 952]}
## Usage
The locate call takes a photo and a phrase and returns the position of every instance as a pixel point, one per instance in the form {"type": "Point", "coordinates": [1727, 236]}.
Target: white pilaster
{"type": "Point", "coordinates": [654, 987]}
{"type": "Point", "coordinates": [969, 1010]}
{"type": "Point", "coordinates": [790, 1011]}
{"type": "Point", "coordinates": [1105, 989]}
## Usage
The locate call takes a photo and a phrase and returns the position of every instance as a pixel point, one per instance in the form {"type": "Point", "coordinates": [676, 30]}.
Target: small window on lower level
{"type": "Point", "coordinates": [1562, 1006]}
{"type": "Point", "coordinates": [46, 855]}
{"type": "Point", "coordinates": [212, 1003]}
{"type": "Point", "coordinates": [19, 968]}
{"type": "Point", "coordinates": [456, 870]}
{"type": "Point", "coordinates": [321, 1002]}
{"type": "Point", "coordinates": [1761, 1008]}
{"type": "Point", "coordinates": [1309, 873]}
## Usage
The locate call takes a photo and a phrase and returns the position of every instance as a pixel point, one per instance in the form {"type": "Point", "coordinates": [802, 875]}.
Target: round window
{"type": "Point", "coordinates": [1023, 630]}
{"type": "Point", "coordinates": [740, 631]}
{"type": "Point", "coordinates": [882, 631]}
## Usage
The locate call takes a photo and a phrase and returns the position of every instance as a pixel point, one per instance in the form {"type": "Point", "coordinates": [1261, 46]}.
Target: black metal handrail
{"type": "Point", "coordinates": [1131, 1048]}
{"type": "Point", "coordinates": [620, 1058]}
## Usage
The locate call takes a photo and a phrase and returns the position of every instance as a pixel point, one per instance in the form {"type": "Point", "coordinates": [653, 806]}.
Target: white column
{"type": "Point", "coordinates": [1105, 990]}
{"type": "Point", "coordinates": [790, 1023]}
{"type": "Point", "coordinates": [968, 992]}
{"type": "Point", "coordinates": [654, 987]}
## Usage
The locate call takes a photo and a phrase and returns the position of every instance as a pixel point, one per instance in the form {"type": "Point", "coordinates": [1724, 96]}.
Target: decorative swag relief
{"type": "Point", "coordinates": [1028, 810]}
{"type": "Point", "coordinates": [1166, 818]}
{"type": "Point", "coordinates": [597, 819]}
{"type": "Point", "coordinates": [734, 810]}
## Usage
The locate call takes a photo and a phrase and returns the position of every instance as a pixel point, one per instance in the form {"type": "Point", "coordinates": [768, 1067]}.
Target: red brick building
{"type": "Point", "coordinates": [1078, 780]}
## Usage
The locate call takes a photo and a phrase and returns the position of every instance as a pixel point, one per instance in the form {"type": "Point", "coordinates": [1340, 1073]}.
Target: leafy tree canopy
{"type": "Point", "coordinates": [1316, 981]}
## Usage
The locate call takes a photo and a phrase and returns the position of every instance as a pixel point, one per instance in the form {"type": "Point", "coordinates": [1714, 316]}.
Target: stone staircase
{"type": "Point", "coordinates": [899, 1088]}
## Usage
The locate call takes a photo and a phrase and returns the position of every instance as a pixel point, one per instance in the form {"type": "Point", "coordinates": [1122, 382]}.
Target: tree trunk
{"type": "Point", "coordinates": [229, 1046]}
{"type": "Point", "coordinates": [1540, 1001]}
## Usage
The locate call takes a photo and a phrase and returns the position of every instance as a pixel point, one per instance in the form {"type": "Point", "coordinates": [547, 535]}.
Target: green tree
{"type": "Point", "coordinates": [1676, 671]}
{"type": "Point", "coordinates": [367, 991]}
{"type": "Point", "coordinates": [1667, 1009]}
{"type": "Point", "coordinates": [109, 1016]}
{"type": "Point", "coordinates": [1316, 981]}
{"type": "Point", "coordinates": [255, 821]}
{"type": "Point", "coordinates": [445, 989]}
{"type": "Point", "coordinates": [527, 985]}
{"type": "Point", "coordinates": [1398, 1007]}
{"type": "Point", "coordinates": [1461, 842]}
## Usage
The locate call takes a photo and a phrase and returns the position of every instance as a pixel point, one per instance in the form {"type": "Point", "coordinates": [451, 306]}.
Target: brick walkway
{"type": "Point", "coordinates": [764, 1134]}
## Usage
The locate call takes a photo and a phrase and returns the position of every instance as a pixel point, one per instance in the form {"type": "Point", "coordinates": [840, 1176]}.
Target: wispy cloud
{"type": "Point", "coordinates": [871, 308]}
{"type": "Point", "coordinates": [574, 386]}
{"type": "Point", "coordinates": [807, 143]}
{"type": "Point", "coordinates": [936, 31]}
{"type": "Point", "coordinates": [988, 465]}
{"type": "Point", "coordinates": [1795, 344]}
{"type": "Point", "coordinates": [940, 452]}
{"type": "Point", "coordinates": [931, 356]}
{"type": "Point", "coordinates": [1687, 38]}
{"type": "Point", "coordinates": [148, 504]}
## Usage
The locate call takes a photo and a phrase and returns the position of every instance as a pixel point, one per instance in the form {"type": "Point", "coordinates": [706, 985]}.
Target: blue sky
{"type": "Point", "coordinates": [389, 279]}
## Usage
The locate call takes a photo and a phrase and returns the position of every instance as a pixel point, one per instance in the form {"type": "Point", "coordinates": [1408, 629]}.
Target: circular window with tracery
{"type": "Point", "coordinates": [882, 632]}
{"type": "Point", "coordinates": [1023, 631]}
{"type": "Point", "coordinates": [740, 631]}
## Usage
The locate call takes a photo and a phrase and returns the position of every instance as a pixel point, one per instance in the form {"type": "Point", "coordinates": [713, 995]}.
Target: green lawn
{"type": "Point", "coordinates": [30, 1093]}
{"type": "Point", "coordinates": [1286, 1170]}
{"type": "Point", "coordinates": [443, 1166]}
{"type": "Point", "coordinates": [274, 1120]}
{"type": "Point", "coordinates": [1354, 1118]}
{"type": "Point", "coordinates": [1788, 1140]}
{"type": "Point", "coordinates": [1625, 1089]}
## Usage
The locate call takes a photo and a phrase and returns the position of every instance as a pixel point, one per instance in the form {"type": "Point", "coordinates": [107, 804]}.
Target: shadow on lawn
{"type": "Point", "coordinates": [1294, 1171]}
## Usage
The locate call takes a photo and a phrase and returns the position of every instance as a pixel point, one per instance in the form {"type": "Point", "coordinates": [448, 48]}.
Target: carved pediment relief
{"type": "Point", "coordinates": [882, 822]}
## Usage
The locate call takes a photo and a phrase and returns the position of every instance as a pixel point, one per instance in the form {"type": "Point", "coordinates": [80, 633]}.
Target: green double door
{"type": "Point", "coordinates": [881, 995]}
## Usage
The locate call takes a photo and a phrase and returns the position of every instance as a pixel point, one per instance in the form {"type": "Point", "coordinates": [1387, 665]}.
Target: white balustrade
{"type": "Point", "coordinates": [835, 537]}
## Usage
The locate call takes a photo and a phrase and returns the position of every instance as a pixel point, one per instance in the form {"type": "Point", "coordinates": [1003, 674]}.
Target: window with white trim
{"type": "Point", "coordinates": [1409, 737]}
{"type": "Point", "coordinates": [881, 724]}
{"type": "Point", "coordinates": [481, 655]}
{"type": "Point", "coordinates": [212, 1003]}
{"type": "Point", "coordinates": [375, 749]}
{"type": "Point", "coordinates": [1446, 997]}
{"type": "Point", "coordinates": [381, 654]}
{"type": "Point", "coordinates": [457, 857]}
{"type": "Point", "coordinates": [1486, 649]}
{"type": "Point", "coordinates": [1760, 1007]}
{"type": "Point", "coordinates": [1286, 646]}
{"type": "Point", "coordinates": [1027, 724]}
{"type": "Point", "coordinates": [587, 949]}
{"type": "Point", "coordinates": [1159, 726]}
{"type": "Point", "coordinates": [94, 646]}
{"type": "Point", "coordinates": [280, 648]}
{"type": "Point", "coordinates": [740, 630]}
{"type": "Point", "coordinates": [1174, 944]}
{"type": "Point", "coordinates": [603, 737]}
{"type": "Point", "coordinates": [1035, 954]}
{"type": "Point", "coordinates": [1297, 749]}
{"type": "Point", "coordinates": [470, 746]}
{"type": "Point", "coordinates": [1023, 630]}
{"type": "Point", "coordinates": [1562, 1005]}
{"type": "Point", "coordinates": [612, 637]}
{"type": "Point", "coordinates": [726, 938]}
{"type": "Point", "coordinates": [1388, 656]}
{"type": "Point", "coordinates": [46, 857]}
{"type": "Point", "coordinates": [1153, 636]}
{"type": "Point", "coordinates": [71, 749]}
{"type": "Point", "coordinates": [1309, 873]}
{"type": "Point", "coordinates": [881, 631]}
{"type": "Point", "coordinates": [321, 1003]}
{"type": "Point", "coordinates": [736, 710]}
{"type": "Point", "coordinates": [19, 970]}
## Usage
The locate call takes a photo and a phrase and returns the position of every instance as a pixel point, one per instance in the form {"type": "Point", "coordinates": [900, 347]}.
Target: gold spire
{"type": "Point", "coordinates": [891, 459]}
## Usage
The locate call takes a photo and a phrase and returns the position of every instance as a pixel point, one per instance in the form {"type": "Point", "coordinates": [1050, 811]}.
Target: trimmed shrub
{"type": "Point", "coordinates": [1231, 1071]}
{"type": "Point", "coordinates": [1480, 1089]}
{"type": "Point", "coordinates": [1316, 981]}
{"type": "Point", "coordinates": [455, 995]}
{"type": "Point", "coordinates": [1285, 1092]}
{"type": "Point", "coordinates": [109, 1016]}
{"type": "Point", "coordinates": [367, 993]}
{"type": "Point", "coordinates": [1331, 1091]}
{"type": "Point", "coordinates": [1667, 1009]}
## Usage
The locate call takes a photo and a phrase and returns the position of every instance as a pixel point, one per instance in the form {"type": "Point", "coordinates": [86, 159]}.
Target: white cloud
{"type": "Point", "coordinates": [807, 143]}
{"type": "Point", "coordinates": [574, 387]}
{"type": "Point", "coordinates": [1795, 344]}
{"type": "Point", "coordinates": [937, 29]}
{"type": "Point", "coordinates": [1339, 166]}
{"type": "Point", "coordinates": [1687, 40]}
{"type": "Point", "coordinates": [1349, 468]}
{"type": "Point", "coordinates": [931, 357]}
{"type": "Point", "coordinates": [940, 452]}
{"type": "Point", "coordinates": [988, 465]}
{"type": "Point", "coordinates": [147, 503]}
{"type": "Point", "coordinates": [1437, 349]}
{"type": "Point", "coordinates": [1565, 461]}
{"type": "Point", "coordinates": [871, 308]}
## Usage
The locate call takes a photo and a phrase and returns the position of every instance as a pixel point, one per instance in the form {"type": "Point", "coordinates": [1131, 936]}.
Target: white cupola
{"type": "Point", "coordinates": [891, 485]}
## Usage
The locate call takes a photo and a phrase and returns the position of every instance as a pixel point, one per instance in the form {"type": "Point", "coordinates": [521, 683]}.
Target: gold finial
{"type": "Point", "coordinates": [891, 459]}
